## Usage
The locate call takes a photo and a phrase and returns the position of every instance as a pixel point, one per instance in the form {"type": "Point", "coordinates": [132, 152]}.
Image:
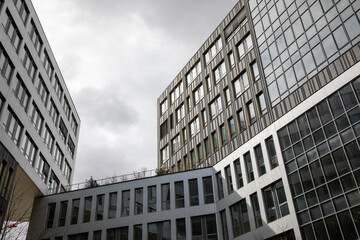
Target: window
{"type": "Point", "coordinates": [223, 135]}
{"type": "Point", "coordinates": [100, 207]}
{"type": "Point", "coordinates": [6, 67]}
{"type": "Point", "coordinates": [152, 199]}
{"type": "Point", "coordinates": [239, 177]}
{"type": "Point", "coordinates": [70, 146]}
{"type": "Point", "coordinates": [164, 129]}
{"type": "Point", "coordinates": [228, 177]}
{"type": "Point", "coordinates": [248, 166]}
{"type": "Point", "coordinates": [125, 203]}
{"type": "Point", "coordinates": [199, 153]}
{"type": "Point", "coordinates": [193, 73]}
{"type": "Point", "coordinates": [224, 226]}
{"type": "Point", "coordinates": [179, 194]}
{"type": "Point", "coordinates": [13, 32]}
{"type": "Point", "coordinates": [35, 38]}
{"type": "Point", "coordinates": [227, 97]}
{"type": "Point", "coordinates": [175, 143]}
{"type": "Point", "coordinates": [73, 123]}
{"type": "Point", "coordinates": [231, 60]}
{"type": "Point", "coordinates": [232, 127]}
{"type": "Point", "coordinates": [198, 93]}
{"type": "Point", "coordinates": [36, 118]}
{"type": "Point", "coordinates": [138, 201]}
{"type": "Point", "coordinates": [50, 215]}
{"type": "Point", "coordinates": [165, 196]}
{"type": "Point", "coordinates": [215, 141]}
{"type": "Point", "coordinates": [260, 160]}
{"type": "Point", "coordinates": [29, 64]}
{"type": "Point", "coordinates": [271, 152]}
{"type": "Point", "coordinates": [204, 118]}
{"type": "Point", "coordinates": [87, 209]}
{"type": "Point", "coordinates": [188, 103]}
{"type": "Point", "coordinates": [242, 123]}
{"type": "Point", "coordinates": [241, 84]}
{"type": "Point", "coordinates": [48, 138]}
{"type": "Point", "coordinates": [180, 112]}
{"type": "Point", "coordinates": [275, 201]}
{"type": "Point", "coordinates": [62, 214]}
{"type": "Point", "coordinates": [78, 236]}
{"type": "Point", "coordinates": [29, 149]}
{"type": "Point", "coordinates": [193, 159]}
{"type": "Point", "coordinates": [193, 192]}
{"type": "Point", "coordinates": [255, 71]}
{"type": "Point", "coordinates": [22, 9]}
{"type": "Point", "coordinates": [159, 230]}
{"type": "Point", "coordinates": [184, 135]}
{"type": "Point", "coordinates": [66, 107]}
{"type": "Point", "coordinates": [58, 155]}
{"type": "Point", "coordinates": [58, 88]}
{"type": "Point", "coordinates": [42, 168]}
{"type": "Point", "coordinates": [215, 107]}
{"type": "Point", "coordinates": [163, 107]}
{"type": "Point", "coordinates": [137, 231]}
{"type": "Point", "coordinates": [49, 69]}
{"type": "Point", "coordinates": [219, 185]}
{"type": "Point", "coordinates": [180, 229]}
{"type": "Point", "coordinates": [256, 210]}
{"type": "Point", "coordinates": [54, 183]}
{"type": "Point", "coordinates": [13, 127]}
{"type": "Point", "coordinates": [207, 147]}
{"type": "Point", "coordinates": [208, 83]}
{"type": "Point", "coordinates": [240, 218]}
{"type": "Point", "coordinates": [219, 72]}
{"type": "Point", "coordinates": [97, 235]}
{"type": "Point", "coordinates": [208, 190]}
{"type": "Point", "coordinates": [261, 104]}
{"type": "Point", "coordinates": [22, 94]}
{"type": "Point", "coordinates": [67, 171]}
{"type": "Point", "coordinates": [53, 112]}
{"type": "Point", "coordinates": [165, 153]}
{"type": "Point", "coordinates": [43, 91]}
{"type": "Point", "coordinates": [214, 49]}
{"type": "Point", "coordinates": [194, 127]}
{"type": "Point", "coordinates": [112, 205]}
{"type": "Point", "coordinates": [245, 46]}
{"type": "Point", "coordinates": [75, 211]}
{"type": "Point", "coordinates": [117, 233]}
{"type": "Point", "coordinates": [176, 92]}
{"type": "Point", "coordinates": [251, 112]}
{"type": "Point", "coordinates": [204, 227]}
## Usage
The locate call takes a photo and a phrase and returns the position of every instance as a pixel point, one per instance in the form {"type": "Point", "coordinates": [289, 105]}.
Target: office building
{"type": "Point", "coordinates": [39, 123]}
{"type": "Point", "coordinates": [259, 135]}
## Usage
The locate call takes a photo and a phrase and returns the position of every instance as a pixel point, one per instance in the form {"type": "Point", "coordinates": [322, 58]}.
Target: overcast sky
{"type": "Point", "coordinates": [117, 57]}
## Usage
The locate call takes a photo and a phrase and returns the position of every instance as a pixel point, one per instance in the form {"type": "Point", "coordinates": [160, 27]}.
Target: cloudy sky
{"type": "Point", "coordinates": [117, 57]}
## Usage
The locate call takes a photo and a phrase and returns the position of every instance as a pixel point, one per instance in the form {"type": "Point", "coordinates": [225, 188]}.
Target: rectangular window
{"type": "Point", "coordinates": [193, 159]}
{"type": "Point", "coordinates": [251, 112]}
{"type": "Point", "coordinates": [66, 107]}
{"type": "Point", "coordinates": [204, 227]}
{"type": "Point", "coordinates": [193, 73]}
{"type": "Point", "coordinates": [116, 233]}
{"type": "Point", "coordinates": [219, 72]}
{"type": "Point", "coordinates": [165, 196]}
{"type": "Point", "coordinates": [70, 146]}
{"type": "Point", "coordinates": [13, 32]}
{"type": "Point", "coordinates": [204, 118]}
{"type": "Point", "coordinates": [256, 210]}
{"type": "Point", "coordinates": [239, 177]}
{"type": "Point", "coordinates": [208, 83]}
{"type": "Point", "coordinates": [231, 60]}
{"type": "Point", "coordinates": [261, 104]}
{"type": "Point", "coordinates": [248, 166]}
{"type": "Point", "coordinates": [224, 227]}
{"type": "Point", "coordinates": [67, 171]}
{"type": "Point", "coordinates": [240, 84]}
{"type": "Point", "coordinates": [228, 177]}
{"type": "Point", "coordinates": [260, 160]}
{"type": "Point", "coordinates": [58, 156]}
{"type": "Point", "coordinates": [175, 143]}
{"type": "Point", "coordinates": [100, 207]}
{"type": "Point", "coordinates": [138, 201]}
{"type": "Point", "coordinates": [220, 187]}
{"type": "Point", "coordinates": [125, 203]}
{"type": "Point", "coordinates": [49, 69]}
{"type": "Point", "coordinates": [138, 231]}
{"type": "Point", "coordinates": [50, 215]}
{"type": "Point", "coordinates": [22, 94]}
{"type": "Point", "coordinates": [112, 205]}
{"type": "Point", "coordinates": [198, 94]}
{"type": "Point", "coordinates": [163, 107]}
{"type": "Point", "coordinates": [271, 152]}
{"type": "Point", "coordinates": [184, 135]}
{"type": "Point", "coordinates": [179, 194]}
{"type": "Point", "coordinates": [97, 235]}
{"type": "Point", "coordinates": [62, 214]}
{"type": "Point", "coordinates": [13, 127]}
{"type": "Point", "coordinates": [42, 168]}
{"type": "Point", "coordinates": [29, 149]}
{"type": "Point", "coordinates": [75, 211]}
{"type": "Point", "coordinates": [48, 138]}
{"type": "Point", "coordinates": [29, 64]}
{"type": "Point", "coordinates": [207, 147]}
{"type": "Point", "coordinates": [255, 71]}
{"type": "Point", "coordinates": [213, 50]}
{"type": "Point", "coordinates": [6, 67]}
{"type": "Point", "coordinates": [194, 127]}
{"type": "Point", "coordinates": [54, 183]}
{"type": "Point", "coordinates": [58, 88]}
{"type": "Point", "coordinates": [36, 118]}
{"type": "Point", "coordinates": [240, 218]}
{"type": "Point", "coordinates": [180, 113]}
{"type": "Point", "coordinates": [87, 209]}
{"type": "Point", "coordinates": [215, 107]}
{"type": "Point", "coordinates": [223, 135]}
{"type": "Point", "coordinates": [245, 46]}
{"type": "Point", "coordinates": [199, 153]}
{"type": "Point", "coordinates": [165, 153]}
{"type": "Point", "coordinates": [176, 92]}
{"type": "Point", "coordinates": [215, 141]}
{"type": "Point", "coordinates": [43, 91]}
{"type": "Point", "coordinates": [152, 199]}
{"type": "Point", "coordinates": [275, 201]}
{"type": "Point", "coordinates": [231, 122]}
{"type": "Point", "coordinates": [22, 9]}
{"type": "Point", "coordinates": [35, 38]}
{"type": "Point", "coordinates": [242, 123]}
{"type": "Point", "coordinates": [180, 229]}
{"type": "Point", "coordinates": [193, 192]}
{"type": "Point", "coordinates": [53, 112]}
{"type": "Point", "coordinates": [208, 190]}
{"type": "Point", "coordinates": [73, 123]}
{"type": "Point", "coordinates": [159, 230]}
{"type": "Point", "coordinates": [227, 97]}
